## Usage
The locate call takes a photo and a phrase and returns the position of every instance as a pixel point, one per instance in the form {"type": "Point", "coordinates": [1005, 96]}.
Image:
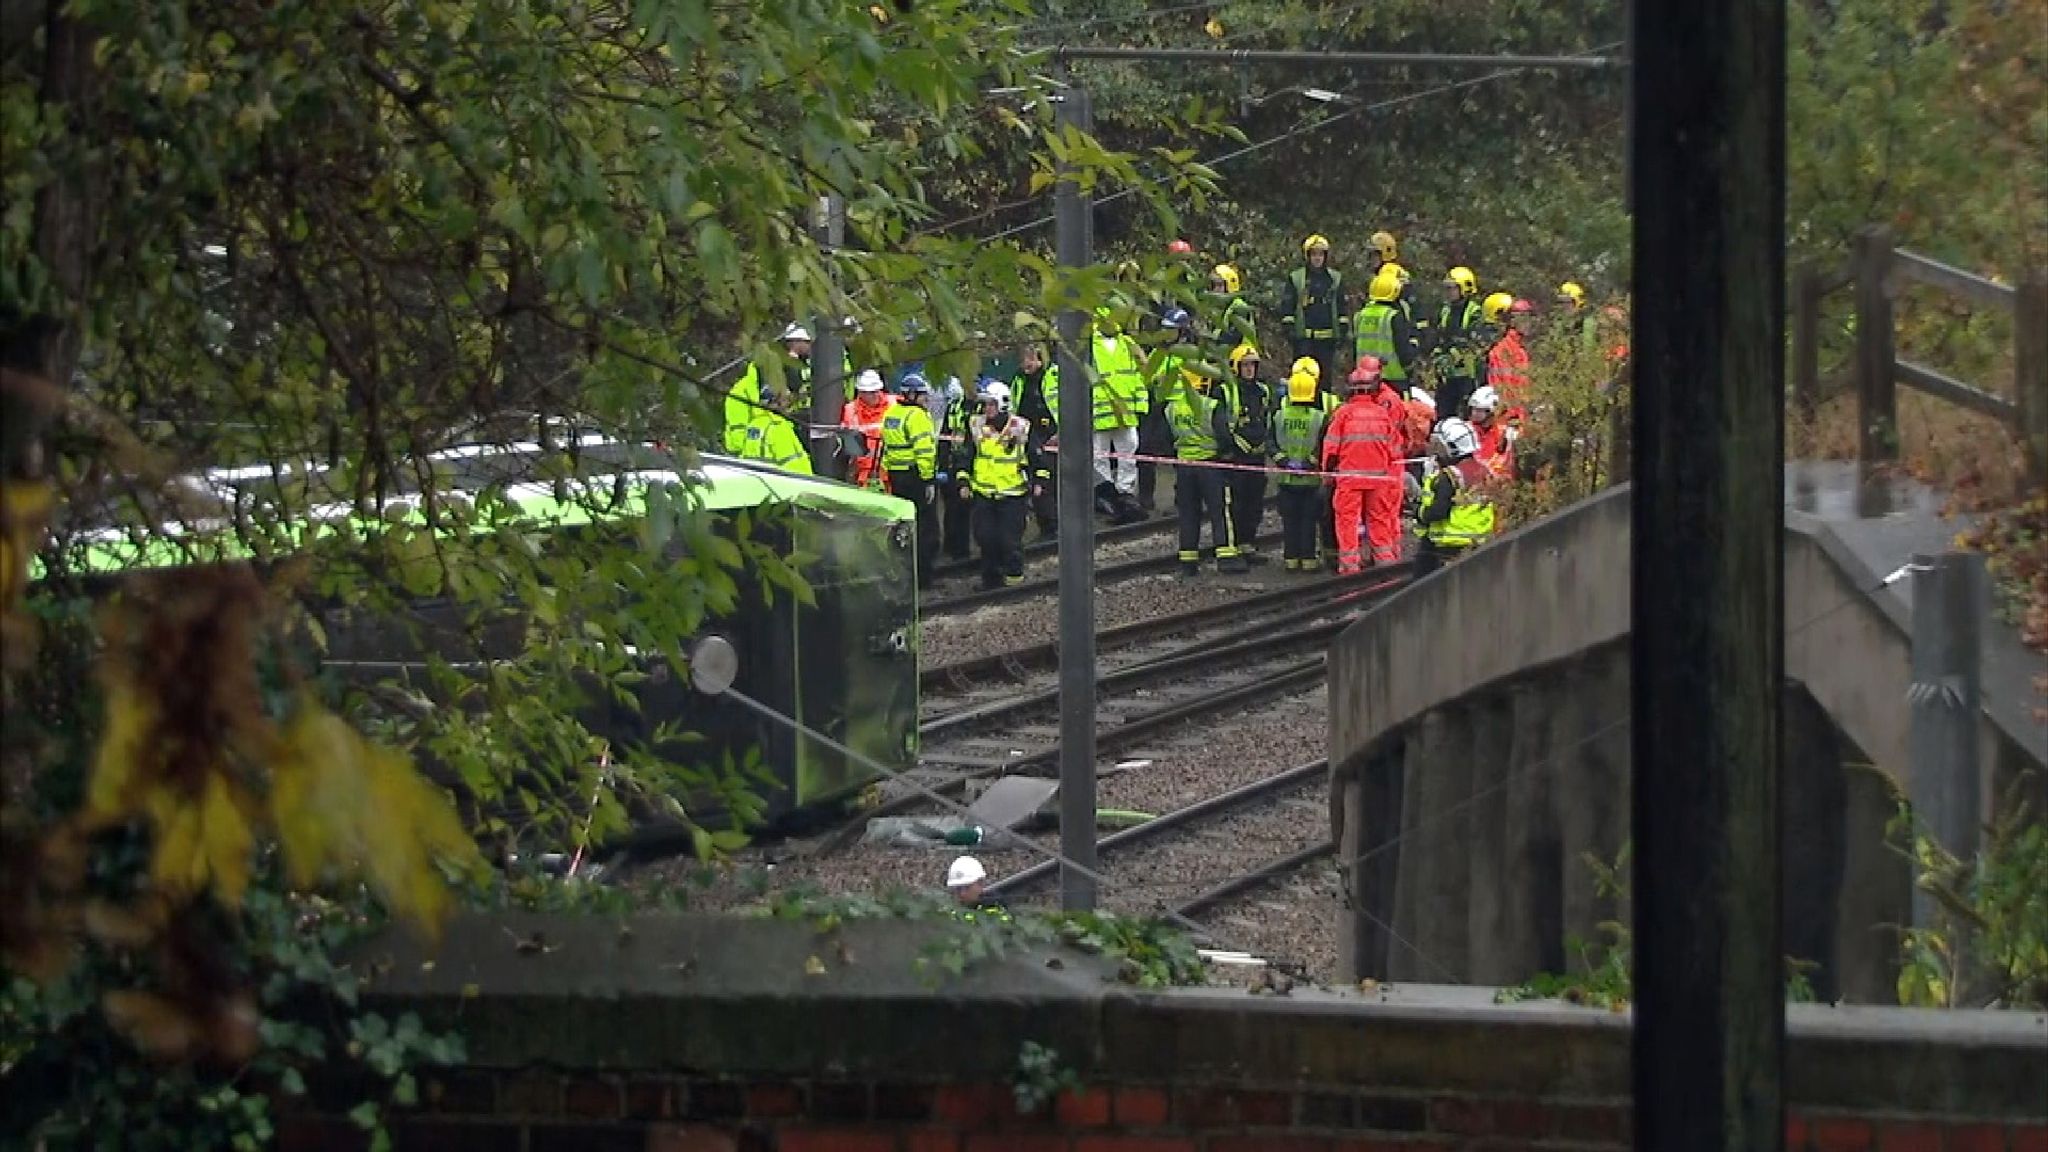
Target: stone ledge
{"type": "Point", "coordinates": [605, 995]}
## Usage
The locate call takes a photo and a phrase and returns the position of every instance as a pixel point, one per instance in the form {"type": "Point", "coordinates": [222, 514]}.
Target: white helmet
{"type": "Point", "coordinates": [869, 381]}
{"type": "Point", "coordinates": [796, 331]}
{"type": "Point", "coordinates": [1484, 397]}
{"type": "Point", "coordinates": [998, 392]}
{"type": "Point", "coordinates": [965, 870]}
{"type": "Point", "coordinates": [1454, 438]}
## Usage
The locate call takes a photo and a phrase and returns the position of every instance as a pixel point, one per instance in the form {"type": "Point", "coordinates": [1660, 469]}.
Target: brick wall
{"type": "Point", "coordinates": [548, 1112]}
{"type": "Point", "coordinates": [699, 1035]}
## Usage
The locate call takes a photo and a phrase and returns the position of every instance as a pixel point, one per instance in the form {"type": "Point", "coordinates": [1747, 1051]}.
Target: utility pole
{"type": "Point", "coordinates": [1076, 534]}
{"type": "Point", "coordinates": [1951, 595]}
{"type": "Point", "coordinates": [1707, 163]}
{"type": "Point", "coordinates": [828, 350]}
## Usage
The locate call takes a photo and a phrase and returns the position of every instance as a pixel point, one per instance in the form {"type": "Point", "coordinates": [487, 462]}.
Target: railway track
{"type": "Point", "coordinates": [1048, 582]}
{"type": "Point", "coordinates": [1040, 549]}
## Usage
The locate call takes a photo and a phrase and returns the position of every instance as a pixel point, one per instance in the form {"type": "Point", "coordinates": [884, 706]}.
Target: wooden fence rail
{"type": "Point", "coordinates": [1875, 272]}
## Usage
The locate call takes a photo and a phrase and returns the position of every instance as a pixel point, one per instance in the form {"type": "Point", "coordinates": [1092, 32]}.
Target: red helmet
{"type": "Point", "coordinates": [1367, 373]}
{"type": "Point", "coordinates": [1180, 248]}
{"type": "Point", "coordinates": [1521, 308]}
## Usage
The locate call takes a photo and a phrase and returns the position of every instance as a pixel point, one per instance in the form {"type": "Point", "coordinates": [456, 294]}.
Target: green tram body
{"type": "Point", "coordinates": [845, 666]}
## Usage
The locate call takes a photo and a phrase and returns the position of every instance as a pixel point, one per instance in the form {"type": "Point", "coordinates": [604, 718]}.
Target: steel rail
{"type": "Point", "coordinates": [1050, 546]}
{"type": "Point", "coordinates": [1239, 797]}
{"type": "Point", "coordinates": [1036, 656]}
{"type": "Point", "coordinates": [1246, 881]}
{"type": "Point", "coordinates": [1191, 656]}
{"type": "Point", "coordinates": [1144, 564]}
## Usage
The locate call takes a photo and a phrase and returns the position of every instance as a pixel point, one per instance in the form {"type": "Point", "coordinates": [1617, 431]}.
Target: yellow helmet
{"type": "Point", "coordinates": [1306, 364]}
{"type": "Point", "coordinates": [1232, 282]}
{"type": "Point", "coordinates": [1301, 387]}
{"type": "Point", "coordinates": [1242, 353]}
{"type": "Point", "coordinates": [1317, 241]}
{"type": "Point", "coordinates": [1496, 306]}
{"type": "Point", "coordinates": [1383, 243]}
{"type": "Point", "coordinates": [1386, 286]}
{"type": "Point", "coordinates": [1462, 278]}
{"type": "Point", "coordinates": [1572, 294]}
{"type": "Point", "coordinates": [1399, 273]}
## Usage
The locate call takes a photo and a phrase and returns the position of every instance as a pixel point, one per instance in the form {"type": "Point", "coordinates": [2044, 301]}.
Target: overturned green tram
{"type": "Point", "coordinates": [841, 670]}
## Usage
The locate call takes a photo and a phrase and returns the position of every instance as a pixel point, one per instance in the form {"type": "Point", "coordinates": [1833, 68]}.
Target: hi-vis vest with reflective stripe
{"type": "Point", "coordinates": [998, 464]}
{"type": "Point", "coordinates": [1375, 325]}
{"type": "Point", "coordinates": [1471, 518]}
{"type": "Point", "coordinates": [1297, 431]}
{"type": "Point", "coordinates": [1297, 324]}
{"type": "Point", "coordinates": [1192, 416]}
{"type": "Point", "coordinates": [1120, 396]}
{"type": "Point", "coordinates": [772, 438]}
{"type": "Point", "coordinates": [907, 440]}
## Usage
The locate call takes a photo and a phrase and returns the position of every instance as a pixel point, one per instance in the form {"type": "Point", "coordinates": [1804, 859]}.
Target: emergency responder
{"type": "Point", "coordinates": [1297, 447]}
{"type": "Point", "coordinates": [771, 436]}
{"type": "Point", "coordinates": [747, 394]}
{"type": "Point", "coordinates": [1229, 321]}
{"type": "Point", "coordinates": [956, 456]}
{"type": "Point", "coordinates": [967, 883]}
{"type": "Point", "coordinates": [1507, 363]}
{"type": "Point", "coordinates": [1155, 438]}
{"type": "Point", "coordinates": [1363, 442]}
{"type": "Point", "coordinates": [1036, 389]}
{"type": "Point", "coordinates": [863, 419]}
{"type": "Point", "coordinates": [910, 458]}
{"type": "Point", "coordinates": [1384, 250]}
{"type": "Point", "coordinates": [1312, 306]}
{"type": "Point", "coordinates": [1384, 332]}
{"type": "Point", "coordinates": [1251, 412]}
{"type": "Point", "coordinates": [1576, 315]}
{"type": "Point", "coordinates": [1120, 402]}
{"type": "Point", "coordinates": [1000, 487]}
{"type": "Point", "coordinates": [1456, 514]}
{"type": "Point", "coordinates": [1200, 419]}
{"type": "Point", "coordinates": [1460, 330]}
{"type": "Point", "coordinates": [1496, 437]}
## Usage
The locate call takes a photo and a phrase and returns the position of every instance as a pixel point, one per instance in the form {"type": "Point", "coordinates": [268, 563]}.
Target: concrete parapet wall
{"type": "Point", "coordinates": [1481, 747]}
{"type": "Point", "coordinates": [705, 1033]}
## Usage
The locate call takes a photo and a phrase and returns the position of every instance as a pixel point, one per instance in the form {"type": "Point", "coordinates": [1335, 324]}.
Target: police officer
{"type": "Point", "coordinates": [1000, 487]}
{"type": "Point", "coordinates": [771, 436]}
{"type": "Point", "coordinates": [910, 457]}
{"type": "Point", "coordinates": [750, 393]}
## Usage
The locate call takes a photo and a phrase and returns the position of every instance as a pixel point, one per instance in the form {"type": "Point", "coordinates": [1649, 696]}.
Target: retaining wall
{"type": "Point", "coordinates": [704, 1033]}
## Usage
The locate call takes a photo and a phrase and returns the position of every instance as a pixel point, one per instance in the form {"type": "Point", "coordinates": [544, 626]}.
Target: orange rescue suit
{"type": "Point", "coordinates": [1364, 436]}
{"type": "Point", "coordinates": [866, 418]}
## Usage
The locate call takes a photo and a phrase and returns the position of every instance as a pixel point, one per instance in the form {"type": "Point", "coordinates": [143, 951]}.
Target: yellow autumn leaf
{"type": "Point", "coordinates": [111, 795]}
{"type": "Point", "coordinates": [178, 861]}
{"type": "Point", "coordinates": [1214, 28]}
{"type": "Point", "coordinates": [203, 840]}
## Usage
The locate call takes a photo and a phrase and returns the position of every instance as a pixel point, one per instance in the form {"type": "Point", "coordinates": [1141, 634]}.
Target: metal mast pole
{"type": "Point", "coordinates": [1707, 632]}
{"type": "Point", "coordinates": [828, 351]}
{"type": "Point", "coordinates": [1077, 538]}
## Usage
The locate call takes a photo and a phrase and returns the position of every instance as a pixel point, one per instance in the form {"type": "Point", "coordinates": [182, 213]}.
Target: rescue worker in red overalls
{"type": "Point", "coordinates": [1496, 436]}
{"type": "Point", "coordinates": [1507, 363]}
{"type": "Point", "coordinates": [870, 405]}
{"type": "Point", "coordinates": [1364, 442]}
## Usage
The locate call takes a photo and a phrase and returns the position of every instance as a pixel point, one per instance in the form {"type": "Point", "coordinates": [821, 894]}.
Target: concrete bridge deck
{"type": "Point", "coordinates": [1480, 739]}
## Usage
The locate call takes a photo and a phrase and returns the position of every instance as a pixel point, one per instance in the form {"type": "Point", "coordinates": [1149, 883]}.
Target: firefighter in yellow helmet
{"type": "Point", "coordinates": [1312, 306]}
{"type": "Point", "coordinates": [1199, 415]}
{"type": "Point", "coordinates": [1575, 314]}
{"type": "Point", "coordinates": [1226, 315]}
{"type": "Point", "coordinates": [1384, 250]}
{"type": "Point", "coordinates": [1462, 339]}
{"type": "Point", "coordinates": [1383, 331]}
{"type": "Point", "coordinates": [1297, 447]}
{"type": "Point", "coordinates": [1251, 408]}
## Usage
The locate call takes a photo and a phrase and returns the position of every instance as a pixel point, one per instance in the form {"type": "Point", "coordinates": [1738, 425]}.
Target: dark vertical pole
{"type": "Point", "coordinates": [1077, 542]}
{"type": "Point", "coordinates": [1706, 640]}
{"type": "Point", "coordinates": [1951, 594]}
{"type": "Point", "coordinates": [2030, 374]}
{"type": "Point", "coordinates": [828, 351]}
{"type": "Point", "coordinates": [1877, 390]}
